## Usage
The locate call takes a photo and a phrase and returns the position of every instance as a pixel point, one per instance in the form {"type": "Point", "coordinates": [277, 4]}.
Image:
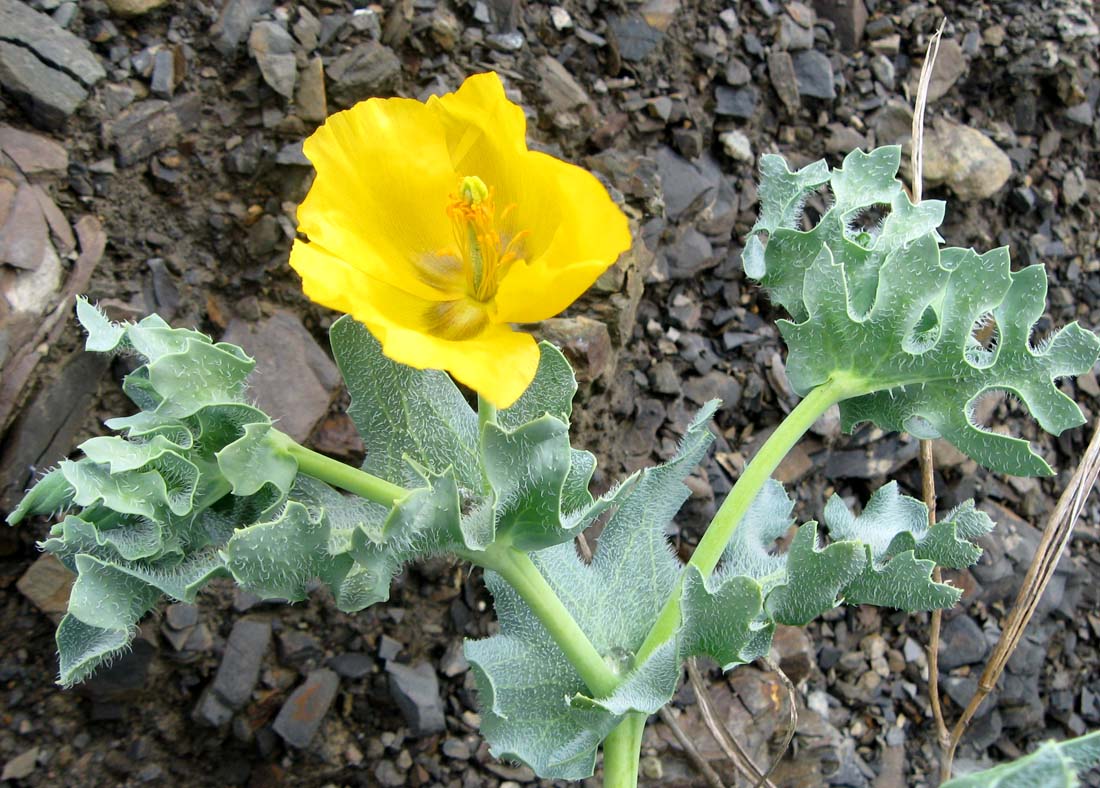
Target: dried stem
{"type": "Point", "coordinates": [729, 745]}
{"type": "Point", "coordinates": [927, 469]}
{"type": "Point", "coordinates": [792, 721]}
{"type": "Point", "coordinates": [697, 759]}
{"type": "Point", "coordinates": [1056, 536]}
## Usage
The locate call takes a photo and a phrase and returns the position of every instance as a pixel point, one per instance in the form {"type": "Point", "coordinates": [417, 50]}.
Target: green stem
{"type": "Point", "coordinates": [521, 573]}
{"type": "Point", "coordinates": [733, 509]}
{"type": "Point", "coordinates": [621, 751]}
{"type": "Point", "coordinates": [486, 414]}
{"type": "Point", "coordinates": [340, 474]}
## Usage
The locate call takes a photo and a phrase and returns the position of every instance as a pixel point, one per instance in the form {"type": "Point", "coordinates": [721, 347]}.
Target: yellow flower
{"type": "Point", "coordinates": [434, 225]}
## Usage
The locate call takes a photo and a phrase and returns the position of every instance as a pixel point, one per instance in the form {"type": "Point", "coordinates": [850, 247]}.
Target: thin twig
{"type": "Point", "coordinates": [927, 467]}
{"type": "Point", "coordinates": [729, 745]}
{"type": "Point", "coordinates": [1056, 536]}
{"type": "Point", "coordinates": [693, 753]}
{"type": "Point", "coordinates": [792, 721]}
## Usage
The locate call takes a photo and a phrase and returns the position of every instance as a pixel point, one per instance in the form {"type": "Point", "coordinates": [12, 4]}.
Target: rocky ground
{"type": "Point", "coordinates": [150, 156]}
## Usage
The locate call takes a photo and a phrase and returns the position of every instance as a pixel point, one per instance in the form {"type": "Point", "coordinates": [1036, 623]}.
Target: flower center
{"type": "Point", "coordinates": [475, 266]}
{"type": "Point", "coordinates": [483, 250]}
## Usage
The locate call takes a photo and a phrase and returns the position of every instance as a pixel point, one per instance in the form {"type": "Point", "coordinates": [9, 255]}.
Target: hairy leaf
{"type": "Point", "coordinates": [888, 312]}
{"type": "Point", "coordinates": [1053, 765]}
{"type": "Point", "coordinates": [524, 680]}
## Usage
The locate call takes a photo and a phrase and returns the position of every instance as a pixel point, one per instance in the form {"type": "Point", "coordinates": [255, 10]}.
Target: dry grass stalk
{"type": "Point", "coordinates": [1056, 536]}
{"type": "Point", "coordinates": [927, 468]}
{"type": "Point", "coordinates": [792, 721]}
{"type": "Point", "coordinates": [698, 761]}
{"type": "Point", "coordinates": [729, 745]}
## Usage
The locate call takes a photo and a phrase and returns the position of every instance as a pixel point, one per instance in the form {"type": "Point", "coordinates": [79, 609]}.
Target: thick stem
{"type": "Point", "coordinates": [733, 509]}
{"type": "Point", "coordinates": [521, 573]}
{"type": "Point", "coordinates": [486, 414]}
{"type": "Point", "coordinates": [341, 475]}
{"type": "Point", "coordinates": [622, 750]}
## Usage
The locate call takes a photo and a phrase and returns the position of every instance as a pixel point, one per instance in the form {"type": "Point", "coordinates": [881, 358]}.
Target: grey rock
{"type": "Point", "coordinates": [737, 103]}
{"type": "Point", "coordinates": [149, 126]}
{"type": "Point", "coordinates": [690, 254]}
{"type": "Point", "coordinates": [294, 376]}
{"type": "Point", "coordinates": [301, 716]}
{"type": "Point", "coordinates": [53, 45]}
{"type": "Point", "coordinates": [559, 89]}
{"type": "Point", "coordinates": [33, 153]}
{"type": "Point", "coordinates": [293, 155]}
{"type": "Point", "coordinates": [684, 186]}
{"type": "Point", "coordinates": [310, 101]}
{"type": "Point", "coordinates": [849, 18]}
{"type": "Point", "coordinates": [962, 643]}
{"type": "Point", "coordinates": [883, 69]}
{"type": "Point", "coordinates": [505, 42]}
{"type": "Point", "coordinates": [273, 50]}
{"type": "Point", "coordinates": [388, 648]}
{"type": "Point", "coordinates": [48, 95]}
{"type": "Point", "coordinates": [307, 29]}
{"type": "Point", "coordinates": [298, 648]}
{"type": "Point", "coordinates": [181, 616]}
{"type": "Point", "coordinates": [352, 665]}
{"type": "Point", "coordinates": [792, 35]}
{"type": "Point", "coordinates": [814, 73]}
{"type": "Point", "coordinates": [366, 70]}
{"type": "Point", "coordinates": [784, 80]}
{"type": "Point", "coordinates": [457, 749]}
{"type": "Point", "coordinates": [21, 766]}
{"type": "Point", "coordinates": [633, 37]}
{"type": "Point", "coordinates": [950, 65]}
{"type": "Point", "coordinates": [663, 378]}
{"type": "Point", "coordinates": [737, 73]}
{"type": "Point", "coordinates": [415, 689]}
{"type": "Point", "coordinates": [388, 775]}
{"type": "Point", "coordinates": [737, 146]}
{"type": "Point", "coordinates": [240, 667]}
{"type": "Point", "coordinates": [24, 232]}
{"type": "Point", "coordinates": [165, 79]}
{"type": "Point", "coordinates": [714, 385]}
{"type": "Point", "coordinates": [235, 21]}
{"type": "Point", "coordinates": [47, 583]}
{"type": "Point", "coordinates": [210, 710]}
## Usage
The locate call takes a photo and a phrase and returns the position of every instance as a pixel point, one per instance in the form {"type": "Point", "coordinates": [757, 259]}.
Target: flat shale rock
{"type": "Point", "coordinates": [415, 689]}
{"type": "Point", "coordinates": [305, 709]}
{"type": "Point", "coordinates": [52, 44]}
{"type": "Point", "coordinates": [294, 380]}
{"type": "Point", "coordinates": [48, 95]}
{"type": "Point", "coordinates": [367, 70]}
{"type": "Point", "coordinates": [150, 126]}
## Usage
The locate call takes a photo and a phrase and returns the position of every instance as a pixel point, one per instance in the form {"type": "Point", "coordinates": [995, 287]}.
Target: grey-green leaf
{"type": "Point", "coordinates": [1053, 765]}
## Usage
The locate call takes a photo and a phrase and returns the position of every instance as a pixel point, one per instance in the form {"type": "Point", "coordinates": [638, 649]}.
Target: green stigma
{"type": "Point", "coordinates": [473, 190]}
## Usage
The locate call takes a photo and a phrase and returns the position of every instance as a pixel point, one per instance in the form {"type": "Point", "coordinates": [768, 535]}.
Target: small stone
{"type": "Point", "coordinates": [457, 749]}
{"type": "Point", "coordinates": [25, 233]}
{"type": "Point", "coordinates": [240, 667]}
{"type": "Point", "coordinates": [883, 69]}
{"type": "Point", "coordinates": [33, 153]}
{"type": "Point", "coordinates": [792, 34]}
{"type": "Point", "coordinates": [843, 139]}
{"type": "Point", "coordinates": [584, 341]}
{"type": "Point", "coordinates": [273, 50]}
{"type": "Point", "coordinates": [663, 378]}
{"type": "Point", "coordinates": [298, 648]}
{"type": "Point", "coordinates": [962, 643]}
{"type": "Point", "coordinates": [965, 159]}
{"type": "Point", "coordinates": [387, 774]}
{"type": "Point", "coordinates": [310, 102]}
{"type": "Point", "coordinates": [560, 18]}
{"type": "Point", "coordinates": [950, 65]}
{"type": "Point", "coordinates": [559, 89]}
{"type": "Point", "coordinates": [352, 665]}
{"type": "Point", "coordinates": [633, 36]}
{"type": "Point", "coordinates": [301, 716]}
{"type": "Point", "coordinates": [737, 103]}
{"type": "Point", "coordinates": [814, 73]}
{"type": "Point", "coordinates": [689, 255]}
{"type": "Point", "coordinates": [713, 385]}
{"type": "Point", "coordinates": [181, 616]}
{"type": "Point", "coordinates": [415, 689]}
{"type": "Point", "coordinates": [21, 766]}
{"type": "Point", "coordinates": [366, 70]}
{"type": "Point", "coordinates": [307, 29]}
{"type": "Point", "coordinates": [737, 73]}
{"type": "Point", "coordinates": [737, 146]}
{"type": "Point", "coordinates": [445, 28]}
{"type": "Point", "coordinates": [47, 583]}
{"type": "Point", "coordinates": [132, 8]}
{"type": "Point", "coordinates": [849, 18]}
{"type": "Point", "coordinates": [784, 80]}
{"type": "Point", "coordinates": [794, 651]}
{"type": "Point", "coordinates": [165, 79]}
{"type": "Point", "coordinates": [235, 21]}
{"type": "Point", "coordinates": [49, 96]}
{"type": "Point", "coordinates": [684, 187]}
{"type": "Point", "coordinates": [286, 351]}
{"type": "Point", "coordinates": [150, 126]}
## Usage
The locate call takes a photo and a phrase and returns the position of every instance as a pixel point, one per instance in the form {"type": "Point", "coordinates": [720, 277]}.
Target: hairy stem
{"type": "Point", "coordinates": [340, 474]}
{"type": "Point", "coordinates": [521, 573]}
{"type": "Point", "coordinates": [733, 509]}
{"type": "Point", "coordinates": [622, 750]}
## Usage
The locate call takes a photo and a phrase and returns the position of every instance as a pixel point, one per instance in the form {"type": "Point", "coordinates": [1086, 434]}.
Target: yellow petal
{"type": "Point", "coordinates": [384, 180]}
{"type": "Point", "coordinates": [576, 233]}
{"type": "Point", "coordinates": [497, 362]}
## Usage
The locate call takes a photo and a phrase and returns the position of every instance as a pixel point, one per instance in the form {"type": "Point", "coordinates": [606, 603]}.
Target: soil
{"type": "Point", "coordinates": [198, 228]}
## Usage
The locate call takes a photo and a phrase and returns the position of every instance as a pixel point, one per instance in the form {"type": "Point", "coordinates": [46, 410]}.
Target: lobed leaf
{"type": "Point", "coordinates": [1053, 765]}
{"type": "Point", "coordinates": [892, 315]}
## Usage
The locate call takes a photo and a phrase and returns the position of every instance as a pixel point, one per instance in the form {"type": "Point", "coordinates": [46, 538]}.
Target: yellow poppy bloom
{"type": "Point", "coordinates": [434, 225]}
